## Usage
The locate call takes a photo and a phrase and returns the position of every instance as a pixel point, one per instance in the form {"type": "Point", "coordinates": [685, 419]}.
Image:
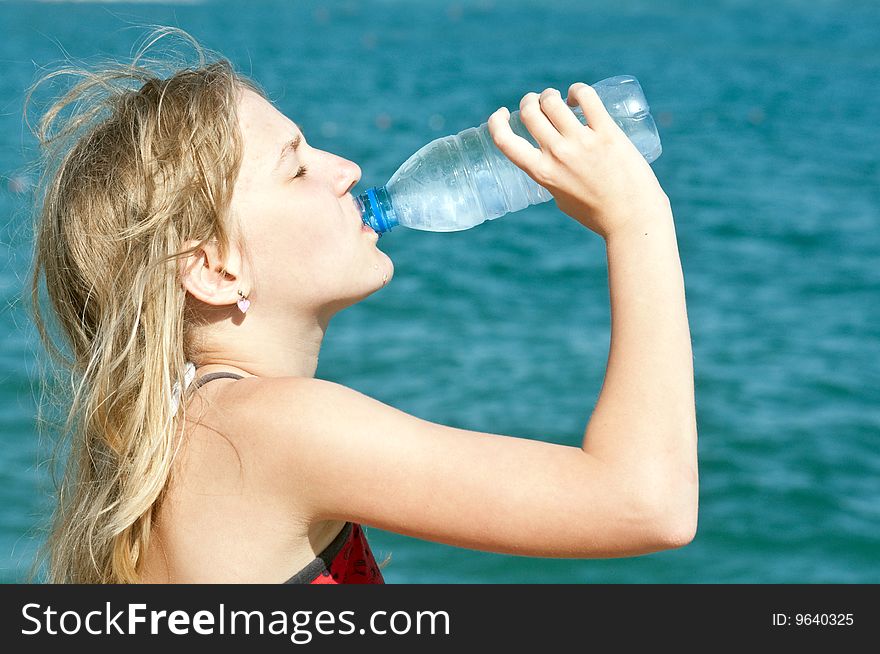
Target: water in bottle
{"type": "Point", "coordinates": [459, 181]}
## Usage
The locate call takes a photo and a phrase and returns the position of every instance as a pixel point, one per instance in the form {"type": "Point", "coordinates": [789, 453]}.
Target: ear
{"type": "Point", "coordinates": [208, 277]}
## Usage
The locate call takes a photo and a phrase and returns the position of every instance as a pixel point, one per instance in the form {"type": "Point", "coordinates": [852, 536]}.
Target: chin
{"type": "Point", "coordinates": [389, 271]}
{"type": "Point", "coordinates": [387, 265]}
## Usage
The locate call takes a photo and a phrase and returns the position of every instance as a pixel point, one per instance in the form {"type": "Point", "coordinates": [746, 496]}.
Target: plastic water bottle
{"type": "Point", "coordinates": [459, 181]}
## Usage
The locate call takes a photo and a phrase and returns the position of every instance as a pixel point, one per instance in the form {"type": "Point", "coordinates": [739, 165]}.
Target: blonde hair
{"type": "Point", "coordinates": [135, 165]}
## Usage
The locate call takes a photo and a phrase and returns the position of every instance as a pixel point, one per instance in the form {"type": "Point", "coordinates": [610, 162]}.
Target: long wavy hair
{"type": "Point", "coordinates": [135, 162]}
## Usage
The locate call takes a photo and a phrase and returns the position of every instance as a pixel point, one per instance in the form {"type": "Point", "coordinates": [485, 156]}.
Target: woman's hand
{"type": "Point", "coordinates": [594, 172]}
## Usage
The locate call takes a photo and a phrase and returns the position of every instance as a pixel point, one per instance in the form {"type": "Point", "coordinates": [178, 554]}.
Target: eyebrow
{"type": "Point", "coordinates": [289, 147]}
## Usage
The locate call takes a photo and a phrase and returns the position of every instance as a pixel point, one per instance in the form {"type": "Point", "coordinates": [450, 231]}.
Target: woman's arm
{"type": "Point", "coordinates": [630, 489]}
{"type": "Point", "coordinates": [644, 419]}
{"type": "Point", "coordinates": [337, 454]}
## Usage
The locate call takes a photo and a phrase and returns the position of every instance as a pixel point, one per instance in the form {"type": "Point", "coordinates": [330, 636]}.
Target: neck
{"type": "Point", "coordinates": [263, 348]}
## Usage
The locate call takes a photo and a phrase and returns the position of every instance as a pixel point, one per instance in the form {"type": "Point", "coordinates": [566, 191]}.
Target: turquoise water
{"type": "Point", "coordinates": [769, 118]}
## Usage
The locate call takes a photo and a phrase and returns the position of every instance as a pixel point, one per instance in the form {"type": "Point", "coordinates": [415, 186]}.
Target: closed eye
{"type": "Point", "coordinates": [301, 171]}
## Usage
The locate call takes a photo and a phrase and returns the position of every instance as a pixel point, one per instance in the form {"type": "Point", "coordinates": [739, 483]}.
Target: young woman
{"type": "Point", "coordinates": [194, 247]}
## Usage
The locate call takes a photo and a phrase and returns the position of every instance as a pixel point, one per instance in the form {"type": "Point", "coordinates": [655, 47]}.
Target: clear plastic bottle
{"type": "Point", "coordinates": [459, 181]}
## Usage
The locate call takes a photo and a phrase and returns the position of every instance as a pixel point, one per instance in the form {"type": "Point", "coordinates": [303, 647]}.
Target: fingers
{"type": "Point", "coordinates": [551, 124]}
{"type": "Point", "coordinates": [558, 113]}
{"type": "Point", "coordinates": [514, 147]}
{"type": "Point", "coordinates": [595, 112]}
{"type": "Point", "coordinates": [533, 119]}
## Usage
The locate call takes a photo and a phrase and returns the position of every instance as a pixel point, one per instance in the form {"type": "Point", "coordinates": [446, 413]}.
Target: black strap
{"type": "Point", "coordinates": [321, 563]}
{"type": "Point", "coordinates": [211, 376]}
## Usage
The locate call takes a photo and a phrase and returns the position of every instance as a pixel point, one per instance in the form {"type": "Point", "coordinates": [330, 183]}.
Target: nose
{"type": "Point", "coordinates": [348, 174]}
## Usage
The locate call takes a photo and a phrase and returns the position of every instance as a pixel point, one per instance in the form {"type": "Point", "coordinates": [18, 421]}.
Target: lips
{"type": "Point", "coordinates": [365, 227]}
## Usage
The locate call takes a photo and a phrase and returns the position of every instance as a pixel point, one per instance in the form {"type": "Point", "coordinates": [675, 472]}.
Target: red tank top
{"type": "Point", "coordinates": [346, 560]}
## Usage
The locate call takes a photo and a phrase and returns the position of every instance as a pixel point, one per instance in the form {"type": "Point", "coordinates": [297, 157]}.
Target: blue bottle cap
{"type": "Point", "coordinates": [376, 209]}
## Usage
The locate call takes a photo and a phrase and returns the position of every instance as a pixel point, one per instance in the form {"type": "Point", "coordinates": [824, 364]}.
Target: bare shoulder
{"type": "Point", "coordinates": [346, 456]}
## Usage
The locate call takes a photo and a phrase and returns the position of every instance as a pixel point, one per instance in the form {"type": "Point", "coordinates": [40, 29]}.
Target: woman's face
{"type": "Point", "coordinates": [309, 248]}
